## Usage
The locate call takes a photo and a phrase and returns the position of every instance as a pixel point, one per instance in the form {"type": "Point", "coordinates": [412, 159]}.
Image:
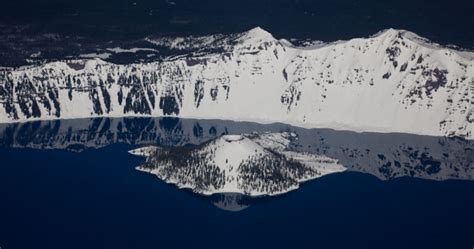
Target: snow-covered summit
{"type": "Point", "coordinates": [405, 36]}
{"type": "Point", "coordinates": [256, 35]}
{"type": "Point", "coordinates": [232, 138]}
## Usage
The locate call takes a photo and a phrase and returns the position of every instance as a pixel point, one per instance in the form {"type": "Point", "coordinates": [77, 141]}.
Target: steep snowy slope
{"type": "Point", "coordinates": [394, 81]}
{"type": "Point", "coordinates": [246, 164]}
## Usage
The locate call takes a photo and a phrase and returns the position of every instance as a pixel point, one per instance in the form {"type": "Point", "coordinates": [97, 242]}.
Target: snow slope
{"type": "Point", "coordinates": [393, 81]}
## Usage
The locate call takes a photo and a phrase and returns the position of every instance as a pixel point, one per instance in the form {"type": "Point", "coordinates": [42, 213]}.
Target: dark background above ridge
{"type": "Point", "coordinates": [445, 22]}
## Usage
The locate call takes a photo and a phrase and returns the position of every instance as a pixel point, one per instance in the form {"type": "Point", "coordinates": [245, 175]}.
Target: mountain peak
{"type": "Point", "coordinates": [389, 33]}
{"type": "Point", "coordinates": [257, 34]}
{"type": "Point", "coordinates": [232, 138]}
{"type": "Point", "coordinates": [258, 30]}
{"type": "Point", "coordinates": [397, 34]}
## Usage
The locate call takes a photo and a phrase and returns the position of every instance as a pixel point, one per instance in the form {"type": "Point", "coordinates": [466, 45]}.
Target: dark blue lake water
{"type": "Point", "coordinates": [82, 191]}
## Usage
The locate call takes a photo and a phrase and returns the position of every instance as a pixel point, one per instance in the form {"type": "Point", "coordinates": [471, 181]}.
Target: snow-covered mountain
{"type": "Point", "coordinates": [393, 81]}
{"type": "Point", "coordinates": [251, 164]}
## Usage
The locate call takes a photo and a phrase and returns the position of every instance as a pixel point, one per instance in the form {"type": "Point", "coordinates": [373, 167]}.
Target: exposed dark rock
{"type": "Point", "coordinates": [169, 105]}
{"type": "Point", "coordinates": [214, 91]}
{"type": "Point", "coordinates": [198, 92]}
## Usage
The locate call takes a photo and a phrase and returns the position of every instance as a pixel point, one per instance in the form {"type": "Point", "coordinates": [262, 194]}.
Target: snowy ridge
{"type": "Point", "coordinates": [393, 81]}
{"type": "Point", "coordinates": [254, 165]}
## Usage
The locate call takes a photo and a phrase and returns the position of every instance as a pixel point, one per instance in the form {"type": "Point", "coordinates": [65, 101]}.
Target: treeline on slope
{"type": "Point", "coordinates": [272, 173]}
{"type": "Point", "coordinates": [187, 166]}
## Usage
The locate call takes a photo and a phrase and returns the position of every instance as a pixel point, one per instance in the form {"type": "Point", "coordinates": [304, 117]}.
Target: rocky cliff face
{"type": "Point", "coordinates": [394, 81]}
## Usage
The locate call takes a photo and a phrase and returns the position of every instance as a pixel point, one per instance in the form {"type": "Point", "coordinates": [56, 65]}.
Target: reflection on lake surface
{"type": "Point", "coordinates": [384, 155]}
{"type": "Point", "coordinates": [230, 202]}
{"type": "Point", "coordinates": [73, 184]}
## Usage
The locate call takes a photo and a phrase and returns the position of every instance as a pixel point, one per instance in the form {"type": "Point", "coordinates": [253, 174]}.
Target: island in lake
{"type": "Point", "coordinates": [250, 164]}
